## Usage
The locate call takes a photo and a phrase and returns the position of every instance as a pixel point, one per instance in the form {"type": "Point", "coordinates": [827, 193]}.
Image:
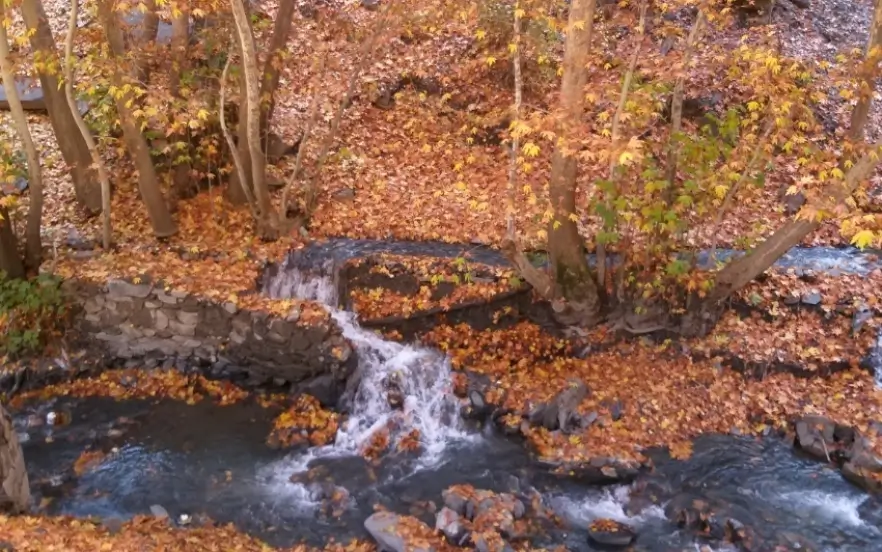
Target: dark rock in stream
{"type": "Point", "coordinates": [823, 438]}
{"type": "Point", "coordinates": [611, 533]}
{"type": "Point", "coordinates": [560, 412]}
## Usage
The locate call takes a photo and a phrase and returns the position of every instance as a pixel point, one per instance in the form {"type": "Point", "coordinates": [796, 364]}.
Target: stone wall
{"type": "Point", "coordinates": [149, 323]}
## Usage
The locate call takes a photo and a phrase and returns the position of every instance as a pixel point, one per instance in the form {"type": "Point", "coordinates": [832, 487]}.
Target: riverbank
{"type": "Point", "coordinates": [634, 395]}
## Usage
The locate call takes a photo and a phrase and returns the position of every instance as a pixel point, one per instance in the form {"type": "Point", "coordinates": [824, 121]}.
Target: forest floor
{"type": "Point", "coordinates": [410, 172]}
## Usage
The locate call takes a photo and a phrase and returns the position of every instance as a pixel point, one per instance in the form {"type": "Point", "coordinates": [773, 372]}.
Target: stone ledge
{"type": "Point", "coordinates": [138, 318]}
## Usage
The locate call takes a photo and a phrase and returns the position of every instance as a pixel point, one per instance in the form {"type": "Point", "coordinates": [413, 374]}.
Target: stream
{"type": "Point", "coordinates": [210, 460]}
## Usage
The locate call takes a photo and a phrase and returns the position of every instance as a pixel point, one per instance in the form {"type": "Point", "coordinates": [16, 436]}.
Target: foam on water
{"type": "Point", "coordinates": [838, 508]}
{"type": "Point", "coordinates": [608, 504]}
{"type": "Point", "coordinates": [423, 376]}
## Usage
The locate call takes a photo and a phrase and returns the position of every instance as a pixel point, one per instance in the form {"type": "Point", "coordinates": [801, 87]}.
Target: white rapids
{"type": "Point", "coordinates": [424, 377]}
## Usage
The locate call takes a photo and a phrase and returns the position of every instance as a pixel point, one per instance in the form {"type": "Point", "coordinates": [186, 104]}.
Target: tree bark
{"type": "Point", "coordinates": [272, 66]}
{"type": "Point", "coordinates": [234, 151]}
{"type": "Point", "coordinates": [868, 77]}
{"type": "Point", "coordinates": [573, 279]}
{"type": "Point", "coordinates": [181, 182]}
{"type": "Point", "coordinates": [148, 183]}
{"type": "Point", "coordinates": [10, 262]}
{"type": "Point", "coordinates": [85, 133]}
{"type": "Point", "coordinates": [742, 271]}
{"type": "Point", "coordinates": [73, 149]}
{"type": "Point", "coordinates": [677, 102]}
{"type": "Point", "coordinates": [515, 142]}
{"type": "Point", "coordinates": [15, 493]}
{"type": "Point", "coordinates": [33, 242]}
{"type": "Point", "coordinates": [268, 218]}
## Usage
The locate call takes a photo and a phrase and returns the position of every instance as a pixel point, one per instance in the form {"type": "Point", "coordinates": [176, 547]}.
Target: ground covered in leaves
{"type": "Point", "coordinates": [58, 534]}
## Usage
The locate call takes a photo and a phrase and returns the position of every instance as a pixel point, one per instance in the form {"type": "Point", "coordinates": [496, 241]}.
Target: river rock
{"type": "Point", "coordinates": [384, 528]}
{"type": "Point", "coordinates": [815, 436]}
{"type": "Point", "coordinates": [455, 500]}
{"type": "Point", "coordinates": [159, 512]}
{"type": "Point", "coordinates": [607, 532]}
{"type": "Point", "coordinates": [450, 525]}
{"type": "Point", "coordinates": [561, 410]}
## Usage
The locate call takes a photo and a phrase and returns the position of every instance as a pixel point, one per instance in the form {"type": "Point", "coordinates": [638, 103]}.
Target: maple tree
{"type": "Point", "coordinates": [687, 174]}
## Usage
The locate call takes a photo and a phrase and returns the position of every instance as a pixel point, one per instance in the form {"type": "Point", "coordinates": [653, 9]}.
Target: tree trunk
{"type": "Point", "coordinates": [515, 142]}
{"type": "Point", "coordinates": [677, 103]}
{"type": "Point", "coordinates": [10, 262]}
{"type": "Point", "coordinates": [574, 282]}
{"type": "Point", "coordinates": [236, 192]}
{"type": "Point", "coordinates": [239, 190]}
{"type": "Point", "coordinates": [868, 77]}
{"type": "Point", "coordinates": [272, 66]}
{"type": "Point", "coordinates": [84, 131]}
{"type": "Point", "coordinates": [742, 271]}
{"type": "Point", "coordinates": [15, 493]}
{"type": "Point", "coordinates": [148, 183]}
{"type": "Point", "coordinates": [33, 242]}
{"type": "Point", "coordinates": [73, 149]}
{"type": "Point", "coordinates": [269, 219]}
{"type": "Point", "coordinates": [181, 182]}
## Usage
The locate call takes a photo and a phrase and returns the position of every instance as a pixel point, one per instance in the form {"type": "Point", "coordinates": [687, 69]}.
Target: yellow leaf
{"type": "Point", "coordinates": [863, 238]}
{"type": "Point", "coordinates": [579, 25]}
{"type": "Point", "coordinates": [490, 60]}
{"type": "Point", "coordinates": [480, 34]}
{"type": "Point", "coordinates": [519, 13]}
{"type": "Point", "coordinates": [530, 149]}
{"type": "Point", "coordinates": [720, 190]}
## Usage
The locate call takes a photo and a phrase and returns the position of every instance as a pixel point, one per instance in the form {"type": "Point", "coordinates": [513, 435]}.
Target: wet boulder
{"type": "Point", "coordinates": [863, 467]}
{"type": "Point", "coordinates": [822, 437]}
{"type": "Point", "coordinates": [394, 393]}
{"type": "Point", "coordinates": [695, 514]}
{"type": "Point", "coordinates": [450, 524]}
{"type": "Point", "coordinates": [607, 532]}
{"type": "Point", "coordinates": [561, 411]}
{"type": "Point", "coordinates": [455, 499]}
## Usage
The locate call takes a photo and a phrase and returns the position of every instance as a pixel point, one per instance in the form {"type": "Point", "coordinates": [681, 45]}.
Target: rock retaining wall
{"type": "Point", "coordinates": [148, 322]}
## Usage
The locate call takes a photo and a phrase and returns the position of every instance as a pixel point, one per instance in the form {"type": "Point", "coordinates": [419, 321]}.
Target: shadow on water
{"type": "Point", "coordinates": [208, 459]}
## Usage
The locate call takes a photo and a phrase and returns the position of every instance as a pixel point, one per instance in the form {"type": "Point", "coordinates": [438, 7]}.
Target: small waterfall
{"type": "Point", "coordinates": [423, 376]}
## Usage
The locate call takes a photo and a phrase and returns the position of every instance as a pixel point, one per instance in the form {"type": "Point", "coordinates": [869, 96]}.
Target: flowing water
{"type": "Point", "coordinates": [212, 460]}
